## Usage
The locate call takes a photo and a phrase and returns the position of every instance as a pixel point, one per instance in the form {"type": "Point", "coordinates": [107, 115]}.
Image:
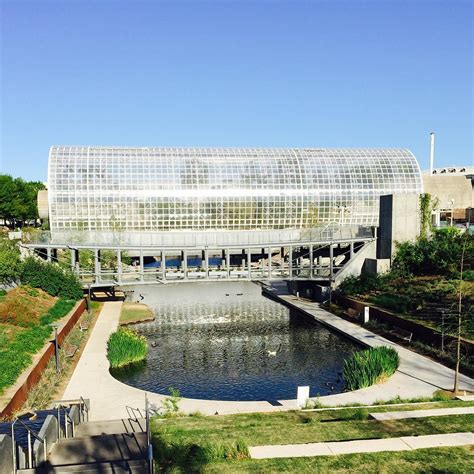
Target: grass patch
{"type": "Point", "coordinates": [180, 442]}
{"type": "Point", "coordinates": [124, 347]}
{"type": "Point", "coordinates": [421, 461]}
{"type": "Point", "coordinates": [27, 337]}
{"type": "Point", "coordinates": [23, 306]}
{"type": "Point", "coordinates": [366, 368]}
{"type": "Point", "coordinates": [135, 312]}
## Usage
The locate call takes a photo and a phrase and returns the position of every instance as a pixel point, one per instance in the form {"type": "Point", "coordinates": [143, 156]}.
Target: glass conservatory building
{"type": "Point", "coordinates": [265, 194]}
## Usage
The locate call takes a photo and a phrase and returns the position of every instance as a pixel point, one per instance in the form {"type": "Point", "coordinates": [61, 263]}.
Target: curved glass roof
{"type": "Point", "coordinates": [189, 189]}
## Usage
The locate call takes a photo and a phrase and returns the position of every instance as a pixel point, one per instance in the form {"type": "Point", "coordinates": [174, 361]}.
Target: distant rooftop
{"type": "Point", "coordinates": [452, 170]}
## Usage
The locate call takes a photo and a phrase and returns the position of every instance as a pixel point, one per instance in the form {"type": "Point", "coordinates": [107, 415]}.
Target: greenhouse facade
{"type": "Point", "coordinates": [181, 191]}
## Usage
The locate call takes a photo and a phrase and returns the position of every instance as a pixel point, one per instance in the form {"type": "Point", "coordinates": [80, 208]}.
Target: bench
{"type": "Point", "coordinates": [70, 350]}
{"type": "Point", "coordinates": [402, 334]}
{"type": "Point", "coordinates": [351, 313]}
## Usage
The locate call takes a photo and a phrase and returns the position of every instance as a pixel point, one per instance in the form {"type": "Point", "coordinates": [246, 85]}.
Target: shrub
{"type": "Point", "coordinates": [51, 278]}
{"type": "Point", "coordinates": [10, 263]}
{"type": "Point", "coordinates": [397, 303]}
{"type": "Point", "coordinates": [124, 347]}
{"type": "Point", "coordinates": [357, 285]}
{"type": "Point", "coordinates": [439, 255]}
{"type": "Point", "coordinates": [366, 368]}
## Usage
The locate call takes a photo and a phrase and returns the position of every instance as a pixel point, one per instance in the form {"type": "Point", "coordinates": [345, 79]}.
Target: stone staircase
{"type": "Point", "coordinates": [115, 446]}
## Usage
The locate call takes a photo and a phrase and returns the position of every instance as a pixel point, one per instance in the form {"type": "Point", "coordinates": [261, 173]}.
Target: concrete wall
{"type": "Point", "coordinates": [43, 211]}
{"type": "Point", "coordinates": [6, 454]}
{"type": "Point", "coordinates": [446, 187]}
{"type": "Point", "coordinates": [48, 431]}
{"type": "Point", "coordinates": [356, 265]}
{"type": "Point", "coordinates": [399, 222]}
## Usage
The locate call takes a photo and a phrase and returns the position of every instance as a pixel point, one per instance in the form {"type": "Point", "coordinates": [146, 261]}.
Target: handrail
{"type": "Point", "coordinates": [133, 416]}
{"type": "Point", "coordinates": [30, 447]}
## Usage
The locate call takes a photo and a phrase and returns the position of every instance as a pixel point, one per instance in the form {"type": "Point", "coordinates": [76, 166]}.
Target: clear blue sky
{"type": "Point", "coordinates": [235, 73]}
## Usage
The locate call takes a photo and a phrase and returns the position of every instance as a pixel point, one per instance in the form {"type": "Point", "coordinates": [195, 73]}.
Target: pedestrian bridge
{"type": "Point", "coordinates": [101, 265]}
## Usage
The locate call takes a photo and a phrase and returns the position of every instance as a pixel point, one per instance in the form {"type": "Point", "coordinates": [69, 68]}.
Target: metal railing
{"type": "Point", "coordinates": [149, 445]}
{"type": "Point", "coordinates": [198, 239]}
{"type": "Point", "coordinates": [80, 402]}
{"type": "Point", "coordinates": [132, 416]}
{"type": "Point", "coordinates": [31, 460]}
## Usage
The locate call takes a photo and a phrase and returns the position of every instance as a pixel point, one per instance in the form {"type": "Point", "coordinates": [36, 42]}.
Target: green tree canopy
{"type": "Point", "coordinates": [18, 199]}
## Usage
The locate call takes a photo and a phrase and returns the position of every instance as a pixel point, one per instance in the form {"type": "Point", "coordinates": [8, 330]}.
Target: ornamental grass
{"type": "Point", "coordinates": [126, 346]}
{"type": "Point", "coordinates": [366, 368]}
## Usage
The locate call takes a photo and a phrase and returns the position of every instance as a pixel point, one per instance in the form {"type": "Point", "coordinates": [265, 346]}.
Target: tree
{"type": "Point", "coordinates": [18, 200]}
{"type": "Point", "coordinates": [10, 263]}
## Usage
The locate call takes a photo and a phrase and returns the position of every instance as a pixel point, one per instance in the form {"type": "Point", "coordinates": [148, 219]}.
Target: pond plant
{"type": "Point", "coordinates": [366, 368]}
{"type": "Point", "coordinates": [126, 346]}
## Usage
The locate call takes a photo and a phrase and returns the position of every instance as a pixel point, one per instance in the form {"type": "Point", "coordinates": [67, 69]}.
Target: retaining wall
{"type": "Point", "coordinates": [420, 332]}
{"type": "Point", "coordinates": [20, 396]}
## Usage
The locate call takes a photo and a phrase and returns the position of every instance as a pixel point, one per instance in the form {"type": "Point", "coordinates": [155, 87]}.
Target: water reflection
{"type": "Point", "coordinates": [226, 341]}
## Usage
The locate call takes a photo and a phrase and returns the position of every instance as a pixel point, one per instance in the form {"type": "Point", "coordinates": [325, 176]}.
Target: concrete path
{"type": "Point", "coordinates": [417, 375]}
{"type": "Point", "coordinates": [405, 443]}
{"type": "Point", "coordinates": [402, 415]}
{"type": "Point", "coordinates": [109, 397]}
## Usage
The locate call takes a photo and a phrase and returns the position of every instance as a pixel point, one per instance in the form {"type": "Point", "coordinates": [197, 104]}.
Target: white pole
{"type": "Point", "coordinates": [432, 139]}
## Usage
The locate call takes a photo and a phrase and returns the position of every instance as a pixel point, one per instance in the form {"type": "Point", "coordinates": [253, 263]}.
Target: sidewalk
{"type": "Point", "coordinates": [402, 415]}
{"type": "Point", "coordinates": [416, 376]}
{"type": "Point", "coordinates": [109, 397]}
{"type": "Point", "coordinates": [405, 443]}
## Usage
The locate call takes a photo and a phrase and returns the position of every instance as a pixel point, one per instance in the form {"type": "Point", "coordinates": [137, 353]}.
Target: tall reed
{"type": "Point", "coordinates": [126, 346]}
{"type": "Point", "coordinates": [366, 368]}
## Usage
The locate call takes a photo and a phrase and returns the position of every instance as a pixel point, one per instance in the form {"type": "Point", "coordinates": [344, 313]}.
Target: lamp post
{"type": "Point", "coordinates": [89, 299]}
{"type": "Point", "coordinates": [56, 347]}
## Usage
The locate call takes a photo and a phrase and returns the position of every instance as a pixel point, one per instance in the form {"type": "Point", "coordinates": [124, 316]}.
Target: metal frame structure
{"type": "Point", "coordinates": [188, 190]}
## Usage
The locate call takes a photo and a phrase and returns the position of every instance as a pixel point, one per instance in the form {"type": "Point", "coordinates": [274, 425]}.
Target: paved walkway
{"type": "Point", "coordinates": [417, 376]}
{"type": "Point", "coordinates": [402, 415]}
{"type": "Point", "coordinates": [109, 397]}
{"type": "Point", "coordinates": [405, 443]}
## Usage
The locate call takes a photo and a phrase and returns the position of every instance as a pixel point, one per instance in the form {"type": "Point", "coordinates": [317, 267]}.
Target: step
{"type": "Point", "coordinates": [97, 449]}
{"type": "Point", "coordinates": [117, 467]}
{"type": "Point", "coordinates": [97, 428]}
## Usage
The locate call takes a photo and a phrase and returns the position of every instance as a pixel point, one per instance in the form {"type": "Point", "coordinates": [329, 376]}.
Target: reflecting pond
{"type": "Point", "coordinates": [226, 341]}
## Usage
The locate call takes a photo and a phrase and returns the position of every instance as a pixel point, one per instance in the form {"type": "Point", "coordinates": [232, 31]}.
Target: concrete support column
{"type": "Point", "coordinates": [249, 263]}
{"type": "Point", "coordinates": [243, 259]}
{"type": "Point", "coordinates": [311, 262]}
{"type": "Point", "coordinates": [269, 262]}
{"type": "Point", "coordinates": [223, 257]}
{"type": "Point", "coordinates": [119, 266]}
{"type": "Point", "coordinates": [48, 254]}
{"type": "Point", "coordinates": [142, 266]}
{"type": "Point", "coordinates": [206, 262]}
{"type": "Point", "coordinates": [163, 265]}
{"type": "Point", "coordinates": [352, 250]}
{"type": "Point", "coordinates": [290, 262]}
{"type": "Point", "coordinates": [331, 261]}
{"type": "Point", "coordinates": [74, 258]}
{"type": "Point", "coordinates": [184, 260]}
{"type": "Point", "coordinates": [97, 265]}
{"type": "Point", "coordinates": [227, 262]}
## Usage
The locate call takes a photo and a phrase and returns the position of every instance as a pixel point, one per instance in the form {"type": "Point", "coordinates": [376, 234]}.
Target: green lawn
{"type": "Point", "coordinates": [201, 441]}
{"type": "Point", "coordinates": [135, 312]}
{"type": "Point", "coordinates": [439, 460]}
